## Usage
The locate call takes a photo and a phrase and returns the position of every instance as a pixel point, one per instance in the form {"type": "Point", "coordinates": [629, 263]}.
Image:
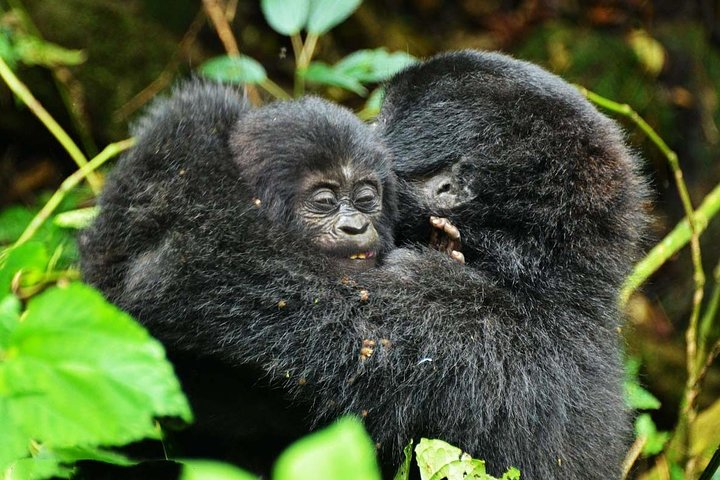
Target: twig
{"type": "Point", "coordinates": [220, 21]}
{"type": "Point", "coordinates": [71, 182]}
{"type": "Point", "coordinates": [28, 99]}
{"type": "Point", "coordinates": [632, 455]}
{"type": "Point", "coordinates": [64, 81]}
{"type": "Point", "coordinates": [671, 244]}
{"type": "Point", "coordinates": [222, 26]}
{"type": "Point", "coordinates": [689, 412]}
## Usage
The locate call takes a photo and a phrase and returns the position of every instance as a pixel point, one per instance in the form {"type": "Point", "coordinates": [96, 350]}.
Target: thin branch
{"type": "Point", "coordinates": [218, 16]}
{"type": "Point", "coordinates": [632, 455]}
{"type": "Point", "coordinates": [28, 99]}
{"type": "Point", "coordinates": [689, 412]}
{"type": "Point", "coordinates": [71, 182]}
{"type": "Point", "coordinates": [671, 244]}
{"type": "Point", "coordinates": [65, 83]}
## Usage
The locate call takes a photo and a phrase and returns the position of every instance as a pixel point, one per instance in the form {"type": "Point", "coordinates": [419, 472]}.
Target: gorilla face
{"type": "Point", "coordinates": [320, 171]}
{"type": "Point", "coordinates": [338, 210]}
{"type": "Point", "coordinates": [448, 188]}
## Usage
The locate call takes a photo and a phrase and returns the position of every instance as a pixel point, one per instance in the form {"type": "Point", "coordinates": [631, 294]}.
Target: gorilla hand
{"type": "Point", "coordinates": [445, 237]}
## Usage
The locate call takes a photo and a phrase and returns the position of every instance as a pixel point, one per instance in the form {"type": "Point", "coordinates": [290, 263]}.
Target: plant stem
{"type": "Point", "coordinates": [297, 45]}
{"type": "Point", "coordinates": [19, 89]}
{"type": "Point", "coordinates": [693, 362]}
{"type": "Point", "coordinates": [71, 182]}
{"type": "Point", "coordinates": [671, 244]}
{"type": "Point", "coordinates": [303, 61]}
{"type": "Point", "coordinates": [274, 89]}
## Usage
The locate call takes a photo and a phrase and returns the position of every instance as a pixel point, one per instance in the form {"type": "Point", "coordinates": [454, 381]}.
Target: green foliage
{"type": "Point", "coordinates": [209, 470]}
{"type": "Point", "coordinates": [636, 397]}
{"type": "Point", "coordinates": [17, 47]}
{"type": "Point", "coordinates": [341, 451]}
{"type": "Point", "coordinates": [76, 371]}
{"type": "Point", "coordinates": [654, 440]}
{"type": "Point", "coordinates": [403, 472]}
{"type": "Point", "coordinates": [326, 14]}
{"type": "Point", "coordinates": [234, 69]}
{"type": "Point", "coordinates": [286, 16]}
{"type": "Point", "coordinates": [289, 17]}
{"type": "Point", "coordinates": [358, 68]}
{"type": "Point", "coordinates": [439, 460]}
{"type": "Point", "coordinates": [76, 219]}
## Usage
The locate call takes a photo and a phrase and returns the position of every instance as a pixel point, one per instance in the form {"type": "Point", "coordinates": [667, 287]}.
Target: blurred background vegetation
{"type": "Point", "coordinates": [662, 57]}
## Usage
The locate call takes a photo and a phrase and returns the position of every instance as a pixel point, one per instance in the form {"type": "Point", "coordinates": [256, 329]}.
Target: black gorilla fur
{"type": "Point", "coordinates": [515, 357]}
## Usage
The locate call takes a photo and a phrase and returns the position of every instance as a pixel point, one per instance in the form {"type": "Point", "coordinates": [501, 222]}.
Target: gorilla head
{"type": "Point", "coordinates": [317, 168]}
{"type": "Point", "coordinates": [514, 156]}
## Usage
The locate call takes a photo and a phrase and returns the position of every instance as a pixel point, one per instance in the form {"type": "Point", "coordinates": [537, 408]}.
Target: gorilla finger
{"type": "Point", "coordinates": [458, 257]}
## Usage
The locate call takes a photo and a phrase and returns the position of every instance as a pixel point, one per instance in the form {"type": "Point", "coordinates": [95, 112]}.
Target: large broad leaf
{"type": "Point", "coordinates": [321, 73]}
{"type": "Point", "coordinates": [374, 65]}
{"type": "Point", "coordinates": [342, 450]}
{"type": "Point", "coordinates": [234, 69]}
{"type": "Point", "coordinates": [9, 318]}
{"type": "Point", "coordinates": [78, 371]}
{"type": "Point", "coordinates": [325, 14]}
{"type": "Point", "coordinates": [286, 16]}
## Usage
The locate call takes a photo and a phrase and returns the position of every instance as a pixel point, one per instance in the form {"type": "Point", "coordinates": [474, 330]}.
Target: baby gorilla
{"type": "Point", "coordinates": [316, 168]}
{"type": "Point", "coordinates": [218, 203]}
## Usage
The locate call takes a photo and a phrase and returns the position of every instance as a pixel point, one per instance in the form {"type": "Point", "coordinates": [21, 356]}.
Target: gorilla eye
{"type": "Point", "coordinates": [323, 199]}
{"type": "Point", "coordinates": [366, 198]}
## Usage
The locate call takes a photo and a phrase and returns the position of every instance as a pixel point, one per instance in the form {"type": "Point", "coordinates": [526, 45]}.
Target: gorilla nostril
{"type": "Point", "coordinates": [445, 187]}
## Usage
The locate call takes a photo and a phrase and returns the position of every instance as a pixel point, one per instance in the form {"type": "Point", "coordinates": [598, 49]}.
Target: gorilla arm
{"type": "Point", "coordinates": [422, 347]}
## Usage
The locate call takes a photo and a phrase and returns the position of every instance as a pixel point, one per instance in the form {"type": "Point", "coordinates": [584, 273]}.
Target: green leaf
{"type": "Point", "coordinates": [325, 14]}
{"type": "Point", "coordinates": [13, 221]}
{"type": "Point", "coordinates": [9, 318]}
{"type": "Point", "coordinates": [403, 472]}
{"type": "Point", "coordinates": [640, 399]}
{"type": "Point", "coordinates": [655, 441]}
{"type": "Point", "coordinates": [234, 69]}
{"type": "Point", "coordinates": [636, 397]}
{"type": "Point", "coordinates": [77, 219]}
{"type": "Point", "coordinates": [30, 258]}
{"type": "Point", "coordinates": [286, 16]}
{"type": "Point", "coordinates": [342, 450]}
{"type": "Point", "coordinates": [438, 460]}
{"type": "Point", "coordinates": [209, 470]}
{"type": "Point", "coordinates": [368, 66]}
{"type": "Point", "coordinates": [13, 442]}
{"type": "Point", "coordinates": [373, 104]}
{"type": "Point", "coordinates": [432, 455]}
{"type": "Point", "coordinates": [322, 73]}
{"type": "Point", "coordinates": [512, 474]}
{"type": "Point", "coordinates": [36, 468]}
{"type": "Point", "coordinates": [78, 371]}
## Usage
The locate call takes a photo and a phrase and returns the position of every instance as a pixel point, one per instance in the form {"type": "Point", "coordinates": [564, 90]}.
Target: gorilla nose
{"type": "Point", "coordinates": [353, 225]}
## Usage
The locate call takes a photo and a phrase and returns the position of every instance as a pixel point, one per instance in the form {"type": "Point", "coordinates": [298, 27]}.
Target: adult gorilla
{"type": "Point", "coordinates": [515, 357]}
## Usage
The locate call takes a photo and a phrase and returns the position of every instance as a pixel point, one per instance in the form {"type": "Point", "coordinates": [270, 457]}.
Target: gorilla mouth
{"type": "Point", "coordinates": [362, 256]}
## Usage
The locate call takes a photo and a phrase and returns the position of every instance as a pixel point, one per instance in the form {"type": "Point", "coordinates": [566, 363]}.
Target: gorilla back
{"type": "Point", "coordinates": [551, 207]}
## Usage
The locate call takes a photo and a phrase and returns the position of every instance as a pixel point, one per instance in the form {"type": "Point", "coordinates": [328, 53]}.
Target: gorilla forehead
{"type": "Point", "coordinates": [282, 141]}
